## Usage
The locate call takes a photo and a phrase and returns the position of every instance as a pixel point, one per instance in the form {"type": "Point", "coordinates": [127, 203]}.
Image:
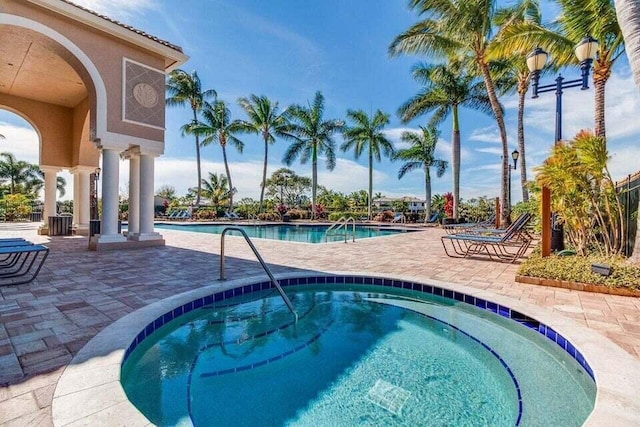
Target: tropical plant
{"type": "Point", "coordinates": [18, 173]}
{"type": "Point", "coordinates": [366, 132]}
{"type": "Point", "coordinates": [577, 19]}
{"type": "Point", "coordinates": [266, 120]}
{"type": "Point", "coordinates": [186, 89]}
{"type": "Point", "coordinates": [583, 193]}
{"type": "Point", "coordinates": [514, 71]}
{"type": "Point", "coordinates": [628, 13]}
{"type": "Point", "coordinates": [437, 202]}
{"type": "Point", "coordinates": [446, 88]}
{"type": "Point", "coordinates": [421, 155]}
{"type": "Point", "coordinates": [216, 190]}
{"type": "Point", "coordinates": [288, 187]}
{"type": "Point", "coordinates": [312, 136]}
{"type": "Point", "coordinates": [216, 127]}
{"type": "Point", "coordinates": [459, 28]}
{"type": "Point", "coordinates": [448, 205]}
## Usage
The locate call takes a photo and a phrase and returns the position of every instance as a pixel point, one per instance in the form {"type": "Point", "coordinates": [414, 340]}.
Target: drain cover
{"type": "Point", "coordinates": [388, 396]}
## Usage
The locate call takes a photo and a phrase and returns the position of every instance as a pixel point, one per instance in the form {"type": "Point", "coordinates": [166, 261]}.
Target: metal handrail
{"type": "Point", "coordinates": [264, 266]}
{"type": "Point", "coordinates": [342, 222]}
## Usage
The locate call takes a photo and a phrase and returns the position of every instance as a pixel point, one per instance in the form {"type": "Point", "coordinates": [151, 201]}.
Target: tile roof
{"type": "Point", "coordinates": [128, 27]}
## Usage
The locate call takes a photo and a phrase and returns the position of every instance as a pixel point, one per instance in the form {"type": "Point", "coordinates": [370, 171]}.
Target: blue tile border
{"type": "Point", "coordinates": [455, 296]}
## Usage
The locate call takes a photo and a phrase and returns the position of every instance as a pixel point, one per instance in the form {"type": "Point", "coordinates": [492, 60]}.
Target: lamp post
{"type": "Point", "coordinates": [514, 155]}
{"type": "Point", "coordinates": [94, 195]}
{"type": "Point", "coordinates": [585, 52]}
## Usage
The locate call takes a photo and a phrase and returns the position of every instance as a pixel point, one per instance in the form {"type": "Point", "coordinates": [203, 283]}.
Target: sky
{"type": "Point", "coordinates": [288, 50]}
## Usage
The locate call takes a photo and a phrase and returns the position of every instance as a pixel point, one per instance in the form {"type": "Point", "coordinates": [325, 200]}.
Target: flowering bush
{"type": "Point", "coordinates": [319, 211]}
{"type": "Point", "coordinates": [448, 205]}
{"type": "Point", "coordinates": [282, 209]}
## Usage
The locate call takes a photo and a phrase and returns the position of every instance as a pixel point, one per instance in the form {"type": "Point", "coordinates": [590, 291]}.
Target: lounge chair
{"type": "Point", "coordinates": [173, 214]}
{"type": "Point", "coordinates": [399, 218]}
{"type": "Point", "coordinates": [506, 245]}
{"type": "Point", "coordinates": [231, 215]}
{"type": "Point", "coordinates": [21, 264]}
{"type": "Point", "coordinates": [464, 227]}
{"type": "Point", "coordinates": [433, 218]}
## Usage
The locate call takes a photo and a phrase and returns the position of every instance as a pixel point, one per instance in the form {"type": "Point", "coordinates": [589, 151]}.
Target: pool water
{"type": "Point", "coordinates": [291, 233]}
{"type": "Point", "coordinates": [355, 357]}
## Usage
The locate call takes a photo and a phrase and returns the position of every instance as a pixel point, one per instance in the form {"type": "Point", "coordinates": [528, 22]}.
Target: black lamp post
{"type": "Point", "coordinates": [585, 52]}
{"type": "Point", "coordinates": [514, 155]}
{"type": "Point", "coordinates": [94, 196]}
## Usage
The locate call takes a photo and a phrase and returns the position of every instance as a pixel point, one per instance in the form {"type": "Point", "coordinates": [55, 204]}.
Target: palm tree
{"type": "Point", "coordinates": [446, 88]}
{"type": "Point", "coordinates": [421, 155]}
{"type": "Point", "coordinates": [217, 127]}
{"type": "Point", "coordinates": [36, 183]}
{"type": "Point", "coordinates": [577, 19]}
{"type": "Point", "coordinates": [517, 72]}
{"type": "Point", "coordinates": [266, 120]}
{"type": "Point", "coordinates": [18, 172]}
{"type": "Point", "coordinates": [216, 189]}
{"type": "Point", "coordinates": [367, 132]}
{"type": "Point", "coordinates": [312, 136]}
{"type": "Point", "coordinates": [459, 28]}
{"type": "Point", "coordinates": [186, 89]}
{"type": "Point", "coordinates": [628, 13]}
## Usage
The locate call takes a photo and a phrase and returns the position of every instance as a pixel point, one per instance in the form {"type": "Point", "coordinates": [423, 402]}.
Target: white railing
{"type": "Point", "coordinates": [342, 224]}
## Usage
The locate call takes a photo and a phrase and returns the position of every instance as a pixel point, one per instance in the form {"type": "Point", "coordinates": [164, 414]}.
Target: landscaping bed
{"type": "Point", "coordinates": [574, 272]}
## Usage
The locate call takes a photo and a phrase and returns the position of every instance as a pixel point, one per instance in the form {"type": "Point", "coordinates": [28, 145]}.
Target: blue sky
{"type": "Point", "coordinates": [288, 50]}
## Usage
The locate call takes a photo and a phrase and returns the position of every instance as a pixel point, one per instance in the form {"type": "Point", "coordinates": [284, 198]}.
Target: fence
{"type": "Point", "coordinates": [629, 193]}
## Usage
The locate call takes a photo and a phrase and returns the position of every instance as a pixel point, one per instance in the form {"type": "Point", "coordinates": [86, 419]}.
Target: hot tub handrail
{"type": "Point", "coordinates": [266, 268]}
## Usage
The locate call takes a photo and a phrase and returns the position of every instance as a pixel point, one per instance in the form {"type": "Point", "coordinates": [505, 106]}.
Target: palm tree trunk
{"type": "Point", "coordinates": [497, 112]}
{"type": "Point", "coordinates": [455, 160]}
{"type": "Point", "coordinates": [226, 167]}
{"type": "Point", "coordinates": [628, 13]}
{"type": "Point", "coordinates": [195, 122]}
{"type": "Point", "coordinates": [427, 192]}
{"type": "Point", "coordinates": [264, 172]}
{"type": "Point", "coordinates": [522, 92]}
{"type": "Point", "coordinates": [370, 180]}
{"type": "Point", "coordinates": [599, 86]}
{"type": "Point", "coordinates": [314, 179]}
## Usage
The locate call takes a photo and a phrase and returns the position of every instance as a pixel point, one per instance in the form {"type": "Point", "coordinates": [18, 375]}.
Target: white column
{"type": "Point", "coordinates": [81, 198]}
{"type": "Point", "coordinates": [146, 199]}
{"type": "Point", "coordinates": [110, 176]}
{"type": "Point", "coordinates": [50, 190]}
{"type": "Point", "coordinates": [134, 195]}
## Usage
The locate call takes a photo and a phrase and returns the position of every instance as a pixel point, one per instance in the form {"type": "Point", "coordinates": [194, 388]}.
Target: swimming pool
{"type": "Point", "coordinates": [292, 233]}
{"type": "Point", "coordinates": [366, 351]}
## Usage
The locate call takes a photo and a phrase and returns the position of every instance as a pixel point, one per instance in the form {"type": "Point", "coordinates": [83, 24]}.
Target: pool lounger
{"type": "Point", "coordinates": [22, 263]}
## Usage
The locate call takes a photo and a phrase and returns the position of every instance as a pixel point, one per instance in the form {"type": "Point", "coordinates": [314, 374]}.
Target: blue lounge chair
{"type": "Point", "coordinates": [433, 218]}
{"type": "Point", "coordinates": [232, 215]}
{"type": "Point", "coordinates": [399, 218]}
{"type": "Point", "coordinates": [21, 263]}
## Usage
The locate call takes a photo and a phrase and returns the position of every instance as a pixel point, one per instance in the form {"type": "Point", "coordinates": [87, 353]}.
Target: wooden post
{"type": "Point", "coordinates": [498, 212]}
{"type": "Point", "coordinates": [546, 221]}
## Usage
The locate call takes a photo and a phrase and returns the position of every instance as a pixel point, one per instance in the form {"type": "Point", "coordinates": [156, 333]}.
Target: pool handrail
{"type": "Point", "coordinates": [266, 268]}
{"type": "Point", "coordinates": [342, 222]}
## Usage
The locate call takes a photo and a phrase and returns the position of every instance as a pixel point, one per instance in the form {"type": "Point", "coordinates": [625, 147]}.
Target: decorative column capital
{"type": "Point", "coordinates": [82, 169]}
{"type": "Point", "coordinates": [50, 169]}
{"type": "Point", "coordinates": [130, 152]}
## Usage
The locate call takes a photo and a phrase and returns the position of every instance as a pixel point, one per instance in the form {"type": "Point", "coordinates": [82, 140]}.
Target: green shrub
{"type": "Point", "coordinates": [269, 216]}
{"type": "Point", "coordinates": [298, 214]}
{"type": "Point", "coordinates": [334, 216]}
{"type": "Point", "coordinates": [16, 207]}
{"type": "Point", "coordinates": [577, 268]}
{"type": "Point", "coordinates": [205, 214]}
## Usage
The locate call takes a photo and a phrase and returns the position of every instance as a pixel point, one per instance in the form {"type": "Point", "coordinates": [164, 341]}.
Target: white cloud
{"type": "Point", "coordinates": [487, 134]}
{"type": "Point", "coordinates": [490, 150]}
{"type": "Point", "coordinates": [20, 141]}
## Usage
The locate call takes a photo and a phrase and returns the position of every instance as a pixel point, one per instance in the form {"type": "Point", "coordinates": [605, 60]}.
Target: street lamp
{"type": "Point", "coordinates": [94, 195]}
{"type": "Point", "coordinates": [585, 52]}
{"type": "Point", "coordinates": [514, 155]}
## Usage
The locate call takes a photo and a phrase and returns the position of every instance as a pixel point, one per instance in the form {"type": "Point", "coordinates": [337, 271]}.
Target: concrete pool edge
{"type": "Point", "coordinates": [89, 390]}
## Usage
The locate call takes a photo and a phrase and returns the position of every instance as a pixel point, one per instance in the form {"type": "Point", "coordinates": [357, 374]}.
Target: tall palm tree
{"type": "Point", "coordinates": [460, 28]}
{"type": "Point", "coordinates": [186, 89]}
{"type": "Point", "coordinates": [446, 89]}
{"type": "Point", "coordinates": [266, 120]}
{"type": "Point", "coordinates": [421, 155]}
{"type": "Point", "coordinates": [217, 127]}
{"type": "Point", "coordinates": [628, 13]}
{"type": "Point", "coordinates": [577, 19]}
{"type": "Point", "coordinates": [312, 136]}
{"type": "Point", "coordinates": [366, 132]}
{"type": "Point", "coordinates": [36, 183]}
{"type": "Point", "coordinates": [18, 172]}
{"type": "Point", "coordinates": [523, 12]}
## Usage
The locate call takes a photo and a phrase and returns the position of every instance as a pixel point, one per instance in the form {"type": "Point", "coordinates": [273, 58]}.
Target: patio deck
{"type": "Point", "coordinates": [78, 293]}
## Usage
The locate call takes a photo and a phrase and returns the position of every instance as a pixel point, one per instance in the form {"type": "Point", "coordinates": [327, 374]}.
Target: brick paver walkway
{"type": "Point", "coordinates": [44, 324]}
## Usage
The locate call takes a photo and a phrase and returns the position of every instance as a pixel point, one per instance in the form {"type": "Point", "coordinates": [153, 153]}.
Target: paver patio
{"type": "Point", "coordinates": [78, 293]}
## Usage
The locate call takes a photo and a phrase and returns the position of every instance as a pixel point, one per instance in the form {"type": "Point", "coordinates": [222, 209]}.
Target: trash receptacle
{"type": "Point", "coordinates": [35, 217]}
{"type": "Point", "coordinates": [557, 234]}
{"type": "Point", "coordinates": [94, 227]}
{"type": "Point", "coordinates": [60, 225]}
